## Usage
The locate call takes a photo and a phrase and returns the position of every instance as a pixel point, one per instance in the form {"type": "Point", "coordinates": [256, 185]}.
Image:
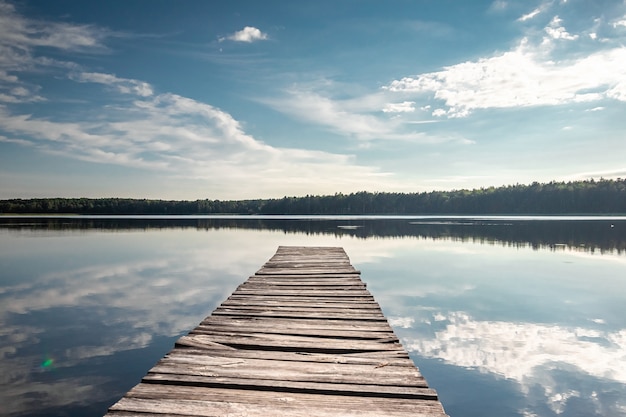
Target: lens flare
{"type": "Point", "coordinates": [47, 364]}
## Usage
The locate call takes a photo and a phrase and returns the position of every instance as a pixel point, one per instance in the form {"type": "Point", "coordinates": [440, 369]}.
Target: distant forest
{"type": "Point", "coordinates": [579, 197]}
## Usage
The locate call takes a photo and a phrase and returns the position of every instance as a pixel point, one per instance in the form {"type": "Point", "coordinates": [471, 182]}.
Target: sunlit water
{"type": "Point", "coordinates": [504, 317]}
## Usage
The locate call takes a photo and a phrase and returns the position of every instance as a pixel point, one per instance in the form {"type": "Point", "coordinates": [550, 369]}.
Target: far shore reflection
{"type": "Point", "coordinates": [582, 233]}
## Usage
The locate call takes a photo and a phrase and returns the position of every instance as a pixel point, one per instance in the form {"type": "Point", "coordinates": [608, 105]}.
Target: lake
{"type": "Point", "coordinates": [504, 316]}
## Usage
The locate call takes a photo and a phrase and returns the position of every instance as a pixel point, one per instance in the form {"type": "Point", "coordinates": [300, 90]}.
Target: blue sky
{"type": "Point", "coordinates": [251, 99]}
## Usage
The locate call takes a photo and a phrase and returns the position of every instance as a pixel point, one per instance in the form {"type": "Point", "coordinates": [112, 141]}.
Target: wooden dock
{"type": "Point", "coordinates": [302, 337]}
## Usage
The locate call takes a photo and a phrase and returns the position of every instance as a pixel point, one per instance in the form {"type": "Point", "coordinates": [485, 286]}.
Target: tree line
{"type": "Point", "coordinates": [577, 197]}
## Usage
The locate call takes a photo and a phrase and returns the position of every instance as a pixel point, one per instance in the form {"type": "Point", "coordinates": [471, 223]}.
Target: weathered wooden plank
{"type": "Point", "coordinates": [300, 304]}
{"type": "Point", "coordinates": [398, 386]}
{"type": "Point", "coordinates": [209, 343]}
{"type": "Point", "coordinates": [301, 312]}
{"type": "Point", "coordinates": [386, 358]}
{"type": "Point", "coordinates": [295, 316]}
{"type": "Point", "coordinates": [361, 363]}
{"type": "Point", "coordinates": [253, 368]}
{"type": "Point", "coordinates": [305, 285]}
{"type": "Point", "coordinates": [295, 331]}
{"type": "Point", "coordinates": [328, 338]}
{"type": "Point", "coordinates": [278, 292]}
{"type": "Point", "coordinates": [196, 403]}
{"type": "Point", "coordinates": [157, 391]}
{"type": "Point", "coordinates": [313, 324]}
{"type": "Point", "coordinates": [302, 337]}
{"type": "Point", "coordinates": [311, 276]}
{"type": "Point", "coordinates": [294, 271]}
{"type": "Point", "coordinates": [304, 307]}
{"type": "Point", "coordinates": [290, 343]}
{"type": "Point", "coordinates": [298, 277]}
{"type": "Point", "coordinates": [179, 377]}
{"type": "Point", "coordinates": [278, 296]}
{"type": "Point", "coordinates": [304, 298]}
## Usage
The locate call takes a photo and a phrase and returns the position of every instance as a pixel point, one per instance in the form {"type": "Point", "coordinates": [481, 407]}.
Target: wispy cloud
{"type": "Point", "coordinates": [613, 173]}
{"type": "Point", "coordinates": [530, 15]}
{"type": "Point", "coordinates": [498, 5]}
{"type": "Point", "coordinates": [21, 38]}
{"type": "Point", "coordinates": [356, 117]}
{"type": "Point", "coordinates": [177, 137]}
{"type": "Point", "coordinates": [19, 33]}
{"type": "Point", "coordinates": [186, 139]}
{"type": "Point", "coordinates": [248, 34]}
{"type": "Point", "coordinates": [20, 94]}
{"type": "Point", "coordinates": [123, 85]}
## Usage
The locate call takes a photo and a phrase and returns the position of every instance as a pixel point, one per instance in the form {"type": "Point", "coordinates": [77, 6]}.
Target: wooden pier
{"type": "Point", "coordinates": [302, 337]}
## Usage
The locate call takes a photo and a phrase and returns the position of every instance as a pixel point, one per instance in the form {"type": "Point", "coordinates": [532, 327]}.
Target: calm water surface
{"type": "Point", "coordinates": [504, 316]}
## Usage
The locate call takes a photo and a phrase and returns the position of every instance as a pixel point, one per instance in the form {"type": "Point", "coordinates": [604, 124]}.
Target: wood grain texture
{"type": "Point", "coordinates": [302, 337]}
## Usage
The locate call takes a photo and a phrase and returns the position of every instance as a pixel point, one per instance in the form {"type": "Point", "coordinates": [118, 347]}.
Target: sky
{"type": "Point", "coordinates": [249, 99]}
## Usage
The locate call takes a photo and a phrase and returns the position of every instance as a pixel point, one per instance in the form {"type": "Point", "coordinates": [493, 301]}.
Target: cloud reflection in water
{"type": "Point", "coordinates": [104, 306]}
{"type": "Point", "coordinates": [564, 368]}
{"type": "Point", "coordinates": [81, 318]}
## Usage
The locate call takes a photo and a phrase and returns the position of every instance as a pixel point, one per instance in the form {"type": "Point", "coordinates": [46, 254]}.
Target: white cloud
{"type": "Point", "coordinates": [20, 91]}
{"type": "Point", "coordinates": [18, 98]}
{"type": "Point", "coordinates": [184, 139]}
{"type": "Point", "coordinates": [123, 85]}
{"type": "Point", "coordinates": [247, 34]}
{"type": "Point", "coordinates": [620, 22]}
{"type": "Point", "coordinates": [549, 66]}
{"type": "Point", "coordinates": [404, 107]}
{"type": "Point", "coordinates": [177, 138]}
{"type": "Point", "coordinates": [20, 39]}
{"type": "Point", "coordinates": [530, 15]}
{"type": "Point", "coordinates": [556, 31]}
{"type": "Point", "coordinates": [522, 77]}
{"type": "Point", "coordinates": [8, 78]}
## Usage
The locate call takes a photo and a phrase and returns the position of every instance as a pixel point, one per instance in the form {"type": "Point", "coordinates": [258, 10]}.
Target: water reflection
{"type": "Point", "coordinates": [544, 330]}
{"type": "Point", "coordinates": [553, 365]}
{"type": "Point", "coordinates": [500, 310]}
{"type": "Point", "coordinates": [88, 308]}
{"type": "Point", "coordinates": [585, 234]}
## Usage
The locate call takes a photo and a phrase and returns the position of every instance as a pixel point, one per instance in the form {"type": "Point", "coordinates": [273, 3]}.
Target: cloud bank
{"type": "Point", "coordinates": [549, 68]}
